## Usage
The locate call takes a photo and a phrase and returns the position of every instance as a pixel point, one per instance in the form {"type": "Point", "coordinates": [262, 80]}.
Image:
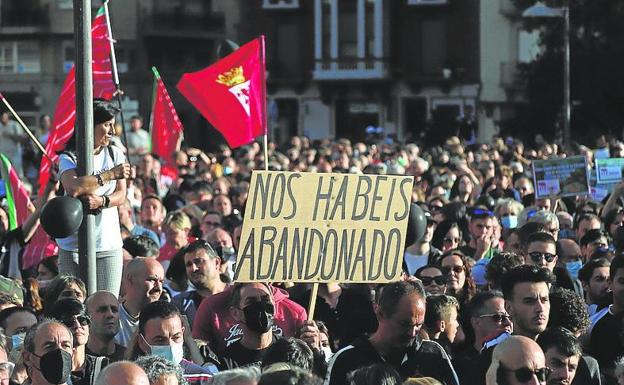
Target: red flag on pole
{"type": "Point", "coordinates": [65, 114]}
{"type": "Point", "coordinates": [18, 200]}
{"type": "Point", "coordinates": [231, 93]}
{"type": "Point", "coordinates": [166, 127]}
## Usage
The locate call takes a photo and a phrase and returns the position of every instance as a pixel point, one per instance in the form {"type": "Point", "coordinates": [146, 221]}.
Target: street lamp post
{"type": "Point", "coordinates": [540, 10]}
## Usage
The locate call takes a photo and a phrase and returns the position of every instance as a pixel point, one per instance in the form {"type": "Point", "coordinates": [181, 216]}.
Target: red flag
{"type": "Point", "coordinates": [231, 93]}
{"type": "Point", "coordinates": [166, 127]}
{"type": "Point", "coordinates": [65, 114]}
{"type": "Point", "coordinates": [18, 200]}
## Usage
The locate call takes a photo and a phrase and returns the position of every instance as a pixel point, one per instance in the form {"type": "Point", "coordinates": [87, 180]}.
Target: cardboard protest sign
{"type": "Point", "coordinates": [560, 177]}
{"type": "Point", "coordinates": [308, 227]}
{"type": "Point", "coordinates": [609, 171]}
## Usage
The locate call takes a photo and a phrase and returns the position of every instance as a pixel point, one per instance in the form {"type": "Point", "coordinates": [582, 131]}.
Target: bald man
{"type": "Point", "coordinates": [103, 310]}
{"type": "Point", "coordinates": [122, 373]}
{"type": "Point", "coordinates": [143, 283]}
{"type": "Point", "coordinates": [517, 361]}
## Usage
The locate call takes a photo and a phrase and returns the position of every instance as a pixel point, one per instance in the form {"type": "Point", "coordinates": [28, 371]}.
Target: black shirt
{"type": "Point", "coordinates": [118, 354]}
{"type": "Point", "coordinates": [87, 376]}
{"type": "Point", "coordinates": [422, 358]}
{"type": "Point", "coordinates": [236, 355]}
{"type": "Point", "coordinates": [604, 340]}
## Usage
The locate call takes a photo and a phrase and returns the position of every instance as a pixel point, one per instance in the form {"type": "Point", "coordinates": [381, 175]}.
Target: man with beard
{"type": "Point", "coordinates": [103, 309]}
{"type": "Point", "coordinates": [47, 354]}
{"type": "Point", "coordinates": [203, 270]}
{"type": "Point", "coordinates": [252, 306]}
{"type": "Point", "coordinates": [595, 279]}
{"type": "Point", "coordinates": [562, 351]}
{"type": "Point", "coordinates": [526, 291]}
{"type": "Point", "coordinates": [606, 325]}
{"type": "Point", "coordinates": [400, 310]}
{"type": "Point", "coordinates": [143, 283]}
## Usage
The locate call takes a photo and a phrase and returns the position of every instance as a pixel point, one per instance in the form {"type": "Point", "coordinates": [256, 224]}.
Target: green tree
{"type": "Point", "coordinates": [597, 71]}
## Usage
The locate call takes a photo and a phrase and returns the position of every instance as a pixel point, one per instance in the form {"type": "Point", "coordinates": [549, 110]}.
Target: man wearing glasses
{"type": "Point", "coordinates": [517, 360]}
{"type": "Point", "coordinates": [489, 320]}
{"type": "Point", "coordinates": [541, 251]}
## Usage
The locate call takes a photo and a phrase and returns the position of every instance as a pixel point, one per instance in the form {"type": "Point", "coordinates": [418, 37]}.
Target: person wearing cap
{"type": "Point", "coordinates": [421, 252]}
{"type": "Point", "coordinates": [72, 313]}
{"type": "Point", "coordinates": [481, 229]}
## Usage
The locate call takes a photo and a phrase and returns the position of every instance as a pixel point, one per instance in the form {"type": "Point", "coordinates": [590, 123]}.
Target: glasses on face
{"type": "Point", "coordinates": [8, 366]}
{"type": "Point", "coordinates": [435, 208]}
{"type": "Point", "coordinates": [526, 374]}
{"type": "Point", "coordinates": [455, 269]}
{"type": "Point", "coordinates": [83, 320]}
{"type": "Point", "coordinates": [438, 279]}
{"type": "Point", "coordinates": [537, 256]}
{"type": "Point", "coordinates": [497, 317]}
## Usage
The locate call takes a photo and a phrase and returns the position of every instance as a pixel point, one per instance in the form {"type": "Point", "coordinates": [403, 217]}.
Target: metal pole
{"type": "Point", "coordinates": [567, 112]}
{"type": "Point", "coordinates": [116, 75]}
{"type": "Point", "coordinates": [84, 134]}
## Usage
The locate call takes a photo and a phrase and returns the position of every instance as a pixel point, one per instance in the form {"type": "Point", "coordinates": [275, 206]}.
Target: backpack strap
{"type": "Point", "coordinates": [97, 369]}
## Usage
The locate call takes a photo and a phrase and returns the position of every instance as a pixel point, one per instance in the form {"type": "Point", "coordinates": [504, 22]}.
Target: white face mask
{"type": "Point", "coordinates": [173, 353]}
{"type": "Point", "coordinates": [327, 352]}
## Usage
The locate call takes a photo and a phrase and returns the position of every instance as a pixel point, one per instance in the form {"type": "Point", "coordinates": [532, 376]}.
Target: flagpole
{"type": "Point", "coordinates": [25, 128]}
{"type": "Point", "coordinates": [154, 90]}
{"type": "Point", "coordinates": [115, 73]}
{"type": "Point", "coordinates": [266, 124]}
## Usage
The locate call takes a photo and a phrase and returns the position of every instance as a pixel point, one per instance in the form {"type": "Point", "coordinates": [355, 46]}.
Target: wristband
{"type": "Point", "coordinates": [100, 181]}
{"type": "Point", "coordinates": [106, 201]}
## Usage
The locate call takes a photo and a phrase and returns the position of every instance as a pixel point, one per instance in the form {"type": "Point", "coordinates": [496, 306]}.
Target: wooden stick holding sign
{"type": "Point", "coordinates": [312, 305]}
{"type": "Point", "coordinates": [25, 128]}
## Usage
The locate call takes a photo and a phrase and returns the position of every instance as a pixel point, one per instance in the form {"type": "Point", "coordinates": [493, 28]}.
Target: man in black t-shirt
{"type": "Point", "coordinates": [253, 308]}
{"type": "Point", "coordinates": [401, 313]}
{"type": "Point", "coordinates": [606, 325]}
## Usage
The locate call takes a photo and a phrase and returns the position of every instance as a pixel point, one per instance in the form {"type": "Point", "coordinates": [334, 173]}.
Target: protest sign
{"type": "Point", "coordinates": [560, 177]}
{"type": "Point", "coordinates": [609, 171]}
{"type": "Point", "coordinates": [308, 227]}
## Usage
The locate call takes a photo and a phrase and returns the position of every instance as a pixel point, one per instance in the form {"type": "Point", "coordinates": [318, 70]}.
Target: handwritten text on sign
{"type": "Point", "coordinates": [305, 227]}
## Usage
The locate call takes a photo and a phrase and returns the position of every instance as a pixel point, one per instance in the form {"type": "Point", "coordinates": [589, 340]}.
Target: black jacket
{"type": "Point", "coordinates": [422, 358]}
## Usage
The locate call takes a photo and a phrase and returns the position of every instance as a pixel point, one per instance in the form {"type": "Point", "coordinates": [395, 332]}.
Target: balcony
{"type": "Point", "coordinates": [188, 18]}
{"type": "Point", "coordinates": [23, 16]}
{"type": "Point", "coordinates": [511, 78]}
{"type": "Point", "coordinates": [351, 69]}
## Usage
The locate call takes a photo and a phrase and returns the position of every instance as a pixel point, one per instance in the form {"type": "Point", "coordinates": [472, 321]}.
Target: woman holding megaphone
{"type": "Point", "coordinates": [100, 193]}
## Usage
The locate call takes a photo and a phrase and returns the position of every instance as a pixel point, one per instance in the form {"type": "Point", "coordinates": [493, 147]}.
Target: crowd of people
{"type": "Point", "coordinates": [502, 288]}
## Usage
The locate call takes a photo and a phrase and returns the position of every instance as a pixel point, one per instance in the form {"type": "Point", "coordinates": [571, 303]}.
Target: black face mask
{"type": "Point", "coordinates": [259, 316]}
{"type": "Point", "coordinates": [55, 366]}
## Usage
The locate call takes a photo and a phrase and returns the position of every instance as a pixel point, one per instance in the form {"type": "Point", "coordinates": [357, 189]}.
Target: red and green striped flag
{"type": "Point", "coordinates": [18, 200]}
{"type": "Point", "coordinates": [65, 114]}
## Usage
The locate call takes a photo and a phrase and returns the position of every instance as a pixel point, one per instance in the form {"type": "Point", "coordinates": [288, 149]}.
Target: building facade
{"type": "Point", "coordinates": [405, 69]}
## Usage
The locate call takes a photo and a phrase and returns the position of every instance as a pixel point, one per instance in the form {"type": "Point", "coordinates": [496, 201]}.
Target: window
{"type": "Point", "coordinates": [20, 58]}
{"type": "Point", "coordinates": [347, 29]}
{"type": "Point", "coordinates": [65, 4]}
{"type": "Point", "coordinates": [68, 55]}
{"type": "Point", "coordinates": [427, 2]}
{"type": "Point", "coordinates": [283, 4]}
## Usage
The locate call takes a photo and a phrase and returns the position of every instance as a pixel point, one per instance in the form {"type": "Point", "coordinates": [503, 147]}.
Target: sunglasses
{"type": "Point", "coordinates": [536, 257]}
{"type": "Point", "coordinates": [438, 279]}
{"type": "Point", "coordinates": [456, 269]}
{"type": "Point", "coordinates": [83, 320]}
{"type": "Point", "coordinates": [497, 317]}
{"type": "Point", "coordinates": [526, 374]}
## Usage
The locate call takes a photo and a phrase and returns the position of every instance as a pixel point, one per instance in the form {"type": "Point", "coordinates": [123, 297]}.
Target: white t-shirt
{"type": "Point", "coordinates": [127, 327]}
{"type": "Point", "coordinates": [107, 231]}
